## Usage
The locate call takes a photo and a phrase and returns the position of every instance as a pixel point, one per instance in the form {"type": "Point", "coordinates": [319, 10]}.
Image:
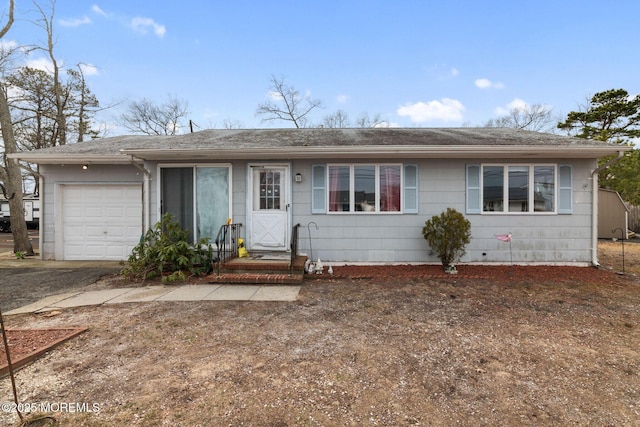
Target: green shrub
{"type": "Point", "coordinates": [448, 234]}
{"type": "Point", "coordinates": [165, 251]}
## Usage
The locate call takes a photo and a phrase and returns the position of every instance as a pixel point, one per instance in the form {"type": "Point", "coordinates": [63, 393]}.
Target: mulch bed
{"type": "Point", "coordinates": [498, 274]}
{"type": "Point", "coordinates": [26, 345]}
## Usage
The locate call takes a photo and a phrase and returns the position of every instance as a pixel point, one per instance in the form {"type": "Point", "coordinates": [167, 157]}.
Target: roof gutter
{"type": "Point", "coordinates": [368, 151]}
{"type": "Point", "coordinates": [594, 206]}
{"type": "Point", "coordinates": [145, 192]}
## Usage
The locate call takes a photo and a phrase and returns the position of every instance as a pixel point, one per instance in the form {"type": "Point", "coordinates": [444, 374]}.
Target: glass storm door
{"type": "Point", "coordinates": [198, 201]}
{"type": "Point", "coordinates": [269, 208]}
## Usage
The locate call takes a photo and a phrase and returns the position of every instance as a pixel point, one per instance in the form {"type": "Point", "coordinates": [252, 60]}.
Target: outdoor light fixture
{"type": "Point", "coordinates": [298, 177]}
{"type": "Point", "coordinates": [85, 167]}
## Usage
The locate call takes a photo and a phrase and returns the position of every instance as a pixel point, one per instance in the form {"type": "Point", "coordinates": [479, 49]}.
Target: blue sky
{"type": "Point", "coordinates": [416, 63]}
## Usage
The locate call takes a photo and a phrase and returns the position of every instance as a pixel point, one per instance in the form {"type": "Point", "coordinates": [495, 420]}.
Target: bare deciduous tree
{"type": "Point", "coordinates": [11, 174]}
{"type": "Point", "coordinates": [366, 121]}
{"type": "Point", "coordinates": [535, 117]}
{"type": "Point", "coordinates": [87, 105]}
{"type": "Point", "coordinates": [46, 23]}
{"type": "Point", "coordinates": [287, 103]}
{"type": "Point", "coordinates": [339, 119]}
{"type": "Point", "coordinates": [232, 124]}
{"type": "Point", "coordinates": [147, 117]}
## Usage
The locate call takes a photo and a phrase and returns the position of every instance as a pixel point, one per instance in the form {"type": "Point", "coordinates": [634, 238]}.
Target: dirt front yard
{"type": "Point", "coordinates": [386, 346]}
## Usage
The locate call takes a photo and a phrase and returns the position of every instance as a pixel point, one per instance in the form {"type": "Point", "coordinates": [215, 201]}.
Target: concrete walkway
{"type": "Point", "coordinates": [162, 293]}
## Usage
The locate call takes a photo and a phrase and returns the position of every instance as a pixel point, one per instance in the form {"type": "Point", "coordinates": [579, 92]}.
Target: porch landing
{"type": "Point", "coordinates": [260, 268]}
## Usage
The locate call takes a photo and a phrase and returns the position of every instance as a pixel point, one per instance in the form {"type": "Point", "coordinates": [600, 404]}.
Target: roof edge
{"type": "Point", "coordinates": [312, 152]}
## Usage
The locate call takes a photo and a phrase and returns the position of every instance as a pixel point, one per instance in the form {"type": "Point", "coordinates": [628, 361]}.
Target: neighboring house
{"type": "Point", "coordinates": [613, 215]}
{"type": "Point", "coordinates": [369, 191]}
{"type": "Point", "coordinates": [31, 204]}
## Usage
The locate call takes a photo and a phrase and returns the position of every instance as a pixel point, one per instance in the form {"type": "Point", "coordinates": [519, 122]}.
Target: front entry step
{"type": "Point", "coordinates": [257, 278]}
{"type": "Point", "coordinates": [261, 270]}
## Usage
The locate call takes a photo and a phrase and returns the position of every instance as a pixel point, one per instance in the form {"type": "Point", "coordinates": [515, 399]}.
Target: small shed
{"type": "Point", "coordinates": [613, 215]}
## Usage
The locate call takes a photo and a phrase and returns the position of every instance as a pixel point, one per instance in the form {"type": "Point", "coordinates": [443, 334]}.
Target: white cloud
{"type": "Point", "coordinates": [40, 63]}
{"type": "Point", "coordinates": [96, 9]}
{"type": "Point", "coordinates": [75, 22]}
{"type": "Point", "coordinates": [274, 96]}
{"type": "Point", "coordinates": [89, 70]}
{"type": "Point", "coordinates": [516, 104]}
{"type": "Point", "coordinates": [446, 110]}
{"type": "Point", "coordinates": [442, 71]}
{"type": "Point", "coordinates": [143, 25]}
{"type": "Point", "coordinates": [6, 46]}
{"type": "Point", "coordinates": [342, 99]}
{"type": "Point", "coordinates": [386, 125]}
{"type": "Point", "coordinates": [488, 84]}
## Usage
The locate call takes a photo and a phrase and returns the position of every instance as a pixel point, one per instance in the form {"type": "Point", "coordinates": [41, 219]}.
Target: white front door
{"type": "Point", "coordinates": [268, 208]}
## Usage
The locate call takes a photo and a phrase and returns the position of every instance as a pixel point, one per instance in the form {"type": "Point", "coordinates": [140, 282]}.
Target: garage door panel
{"type": "Point", "coordinates": [118, 232]}
{"type": "Point", "coordinates": [114, 211]}
{"type": "Point", "coordinates": [93, 211]}
{"type": "Point", "coordinates": [117, 251]}
{"type": "Point", "coordinates": [101, 222]}
{"type": "Point", "coordinates": [74, 251]}
{"type": "Point", "coordinates": [74, 234]}
{"type": "Point", "coordinates": [74, 213]}
{"type": "Point", "coordinates": [92, 194]}
{"type": "Point", "coordinates": [94, 251]}
{"type": "Point", "coordinates": [91, 231]}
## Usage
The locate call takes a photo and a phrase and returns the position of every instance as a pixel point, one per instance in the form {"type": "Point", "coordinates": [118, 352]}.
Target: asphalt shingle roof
{"type": "Point", "coordinates": [301, 140]}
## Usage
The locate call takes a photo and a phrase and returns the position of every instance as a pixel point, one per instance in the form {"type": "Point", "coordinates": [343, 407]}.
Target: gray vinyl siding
{"type": "Point", "coordinates": [382, 238]}
{"type": "Point", "coordinates": [537, 238]}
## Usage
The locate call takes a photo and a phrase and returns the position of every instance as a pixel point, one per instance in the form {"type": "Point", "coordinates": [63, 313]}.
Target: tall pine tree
{"type": "Point", "coordinates": [612, 116]}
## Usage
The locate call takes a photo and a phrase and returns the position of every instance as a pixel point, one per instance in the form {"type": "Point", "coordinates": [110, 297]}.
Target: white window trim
{"type": "Point", "coordinates": [505, 189]}
{"type": "Point", "coordinates": [352, 210]}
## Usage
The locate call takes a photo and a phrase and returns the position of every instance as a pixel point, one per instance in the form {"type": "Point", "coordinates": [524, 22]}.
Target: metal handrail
{"type": "Point", "coordinates": [227, 242]}
{"type": "Point", "coordinates": [294, 246]}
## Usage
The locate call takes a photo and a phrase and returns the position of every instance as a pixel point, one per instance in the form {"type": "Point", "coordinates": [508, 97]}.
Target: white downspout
{"type": "Point", "coordinates": [594, 207]}
{"type": "Point", "coordinates": [145, 191]}
{"type": "Point", "coordinates": [41, 214]}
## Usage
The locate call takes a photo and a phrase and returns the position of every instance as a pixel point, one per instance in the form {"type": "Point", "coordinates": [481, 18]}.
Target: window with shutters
{"type": "Point", "coordinates": [518, 188]}
{"type": "Point", "coordinates": [364, 188]}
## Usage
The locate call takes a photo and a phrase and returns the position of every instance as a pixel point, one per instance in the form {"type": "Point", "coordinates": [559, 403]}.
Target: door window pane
{"type": "Point", "coordinates": [269, 190]}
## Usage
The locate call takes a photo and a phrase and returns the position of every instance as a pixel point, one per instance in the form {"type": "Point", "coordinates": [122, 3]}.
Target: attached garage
{"type": "Point", "coordinates": [98, 221]}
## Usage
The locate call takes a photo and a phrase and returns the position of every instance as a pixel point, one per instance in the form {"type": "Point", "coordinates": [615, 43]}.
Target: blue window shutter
{"type": "Point", "coordinates": [565, 189]}
{"type": "Point", "coordinates": [473, 189]}
{"type": "Point", "coordinates": [318, 189]}
{"type": "Point", "coordinates": [411, 189]}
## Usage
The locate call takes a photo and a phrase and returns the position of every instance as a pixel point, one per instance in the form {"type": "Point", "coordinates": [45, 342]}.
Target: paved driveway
{"type": "Point", "coordinates": [28, 280]}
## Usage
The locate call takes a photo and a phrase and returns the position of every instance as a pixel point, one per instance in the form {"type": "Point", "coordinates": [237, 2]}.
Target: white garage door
{"type": "Point", "coordinates": [101, 222]}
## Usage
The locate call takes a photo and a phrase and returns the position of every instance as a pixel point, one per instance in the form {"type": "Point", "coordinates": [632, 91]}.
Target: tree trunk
{"type": "Point", "coordinates": [21, 242]}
